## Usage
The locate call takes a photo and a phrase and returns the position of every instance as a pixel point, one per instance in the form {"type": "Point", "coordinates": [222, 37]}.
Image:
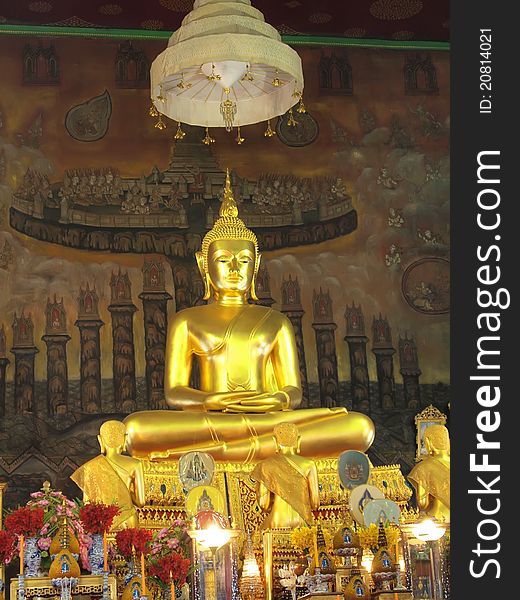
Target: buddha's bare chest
{"type": "Point", "coordinates": [234, 336]}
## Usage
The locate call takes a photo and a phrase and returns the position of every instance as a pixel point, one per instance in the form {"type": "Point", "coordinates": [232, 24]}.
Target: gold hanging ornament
{"type": "Point", "coordinates": [301, 107]}
{"type": "Point", "coordinates": [208, 139]}
{"type": "Point", "coordinates": [276, 82]}
{"type": "Point", "coordinates": [239, 139]}
{"type": "Point", "coordinates": [213, 76]}
{"type": "Point", "coordinates": [228, 110]}
{"type": "Point", "coordinates": [179, 134]}
{"type": "Point", "coordinates": [160, 125]}
{"type": "Point", "coordinates": [183, 85]}
{"type": "Point", "coordinates": [248, 75]}
{"type": "Point", "coordinates": [269, 132]}
{"type": "Point", "coordinates": [160, 96]}
{"type": "Point", "coordinates": [291, 122]}
{"type": "Point", "coordinates": [153, 111]}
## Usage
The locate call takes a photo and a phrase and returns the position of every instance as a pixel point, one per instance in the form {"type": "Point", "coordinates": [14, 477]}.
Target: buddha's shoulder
{"type": "Point", "coordinates": [270, 314]}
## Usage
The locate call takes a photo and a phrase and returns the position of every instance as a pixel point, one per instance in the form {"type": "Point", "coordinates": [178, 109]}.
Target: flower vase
{"type": "Point", "coordinates": [95, 554]}
{"type": "Point", "coordinates": [32, 557]}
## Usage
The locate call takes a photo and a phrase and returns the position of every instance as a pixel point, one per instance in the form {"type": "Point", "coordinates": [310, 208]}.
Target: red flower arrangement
{"type": "Point", "coordinates": [172, 568]}
{"type": "Point", "coordinates": [97, 517]}
{"type": "Point", "coordinates": [130, 538]}
{"type": "Point", "coordinates": [6, 546]}
{"type": "Point", "coordinates": [25, 520]}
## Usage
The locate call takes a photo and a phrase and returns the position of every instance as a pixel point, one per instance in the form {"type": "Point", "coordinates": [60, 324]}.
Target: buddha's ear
{"type": "Point", "coordinates": [205, 277]}
{"type": "Point", "coordinates": [101, 444]}
{"type": "Point", "coordinates": [253, 283]}
{"type": "Point", "coordinates": [200, 263]}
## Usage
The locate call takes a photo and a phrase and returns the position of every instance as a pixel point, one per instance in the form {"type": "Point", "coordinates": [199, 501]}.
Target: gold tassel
{"type": "Point", "coordinates": [301, 107]}
{"type": "Point", "coordinates": [160, 124]}
{"type": "Point", "coordinates": [153, 111]}
{"type": "Point", "coordinates": [276, 82]}
{"type": "Point", "coordinates": [208, 139]}
{"type": "Point", "coordinates": [269, 132]}
{"type": "Point", "coordinates": [239, 139]}
{"type": "Point", "coordinates": [179, 134]}
{"type": "Point", "coordinates": [291, 122]}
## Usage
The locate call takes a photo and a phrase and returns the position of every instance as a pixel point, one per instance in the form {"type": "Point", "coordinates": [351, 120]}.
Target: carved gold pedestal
{"type": "Point", "coordinates": [165, 498]}
{"type": "Point", "coordinates": [41, 587]}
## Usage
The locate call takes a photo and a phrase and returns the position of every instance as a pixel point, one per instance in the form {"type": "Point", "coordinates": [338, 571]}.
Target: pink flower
{"type": "Point", "coordinates": [53, 519]}
{"type": "Point", "coordinates": [43, 503]}
{"type": "Point", "coordinates": [163, 533]}
{"type": "Point", "coordinates": [173, 543]}
{"type": "Point", "coordinates": [44, 543]}
{"type": "Point", "coordinates": [45, 529]}
{"type": "Point", "coordinates": [37, 495]}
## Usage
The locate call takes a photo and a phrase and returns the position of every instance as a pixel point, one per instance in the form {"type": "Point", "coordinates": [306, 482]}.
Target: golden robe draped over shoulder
{"type": "Point", "coordinates": [282, 476]}
{"type": "Point", "coordinates": [434, 477]}
{"type": "Point", "coordinates": [100, 482]}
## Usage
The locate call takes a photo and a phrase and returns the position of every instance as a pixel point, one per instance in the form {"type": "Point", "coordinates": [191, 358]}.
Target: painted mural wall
{"type": "Point", "coordinates": [100, 213]}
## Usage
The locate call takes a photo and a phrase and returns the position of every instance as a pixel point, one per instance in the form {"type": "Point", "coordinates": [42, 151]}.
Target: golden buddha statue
{"type": "Point", "coordinates": [287, 487]}
{"type": "Point", "coordinates": [113, 478]}
{"type": "Point", "coordinates": [287, 484]}
{"type": "Point", "coordinates": [431, 477]}
{"type": "Point", "coordinates": [249, 371]}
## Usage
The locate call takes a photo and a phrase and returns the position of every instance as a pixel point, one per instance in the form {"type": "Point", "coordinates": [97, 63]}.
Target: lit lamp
{"type": "Point", "coordinates": [210, 533]}
{"type": "Point", "coordinates": [225, 67]}
{"type": "Point", "coordinates": [428, 530]}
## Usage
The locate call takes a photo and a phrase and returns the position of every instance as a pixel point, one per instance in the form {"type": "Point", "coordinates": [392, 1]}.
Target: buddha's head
{"type": "Point", "coordinates": [229, 258]}
{"type": "Point", "coordinates": [112, 436]}
{"type": "Point", "coordinates": [437, 439]}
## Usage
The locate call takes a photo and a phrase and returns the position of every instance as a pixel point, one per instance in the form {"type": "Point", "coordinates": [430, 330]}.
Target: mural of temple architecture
{"type": "Point", "coordinates": [292, 308]}
{"type": "Point", "coordinates": [384, 352]}
{"type": "Point", "coordinates": [357, 348]}
{"type": "Point", "coordinates": [4, 363]}
{"type": "Point", "coordinates": [324, 327]}
{"type": "Point", "coordinates": [122, 310]}
{"type": "Point", "coordinates": [410, 371]}
{"type": "Point", "coordinates": [56, 339]}
{"type": "Point", "coordinates": [24, 352]}
{"type": "Point", "coordinates": [155, 300]}
{"type": "Point", "coordinates": [89, 323]}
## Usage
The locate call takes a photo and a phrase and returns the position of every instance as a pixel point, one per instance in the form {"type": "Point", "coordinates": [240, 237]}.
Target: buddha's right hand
{"type": "Point", "coordinates": [222, 400]}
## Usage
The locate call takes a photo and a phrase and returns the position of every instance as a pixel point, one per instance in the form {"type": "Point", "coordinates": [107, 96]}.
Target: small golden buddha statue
{"type": "Point", "coordinates": [248, 363]}
{"type": "Point", "coordinates": [431, 477]}
{"type": "Point", "coordinates": [287, 484]}
{"type": "Point", "coordinates": [287, 487]}
{"type": "Point", "coordinates": [112, 477]}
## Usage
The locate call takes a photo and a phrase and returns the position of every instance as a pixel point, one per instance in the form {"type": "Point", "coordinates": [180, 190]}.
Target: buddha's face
{"type": "Point", "coordinates": [231, 265]}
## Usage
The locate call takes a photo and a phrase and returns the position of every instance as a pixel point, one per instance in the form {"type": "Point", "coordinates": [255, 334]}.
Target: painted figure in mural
{"type": "Point", "coordinates": [248, 360]}
{"type": "Point", "coordinates": [113, 478]}
{"type": "Point", "coordinates": [431, 477]}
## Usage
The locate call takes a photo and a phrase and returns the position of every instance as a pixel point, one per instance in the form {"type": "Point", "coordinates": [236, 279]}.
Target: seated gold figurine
{"type": "Point", "coordinates": [113, 478]}
{"type": "Point", "coordinates": [248, 363]}
{"type": "Point", "coordinates": [431, 477]}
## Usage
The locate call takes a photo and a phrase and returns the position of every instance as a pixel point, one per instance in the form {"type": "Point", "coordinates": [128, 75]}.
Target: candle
{"type": "Point", "coordinates": [172, 588]}
{"type": "Point", "coordinates": [143, 576]}
{"type": "Point", "coordinates": [105, 552]}
{"type": "Point", "coordinates": [22, 544]}
{"type": "Point", "coordinates": [316, 556]}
